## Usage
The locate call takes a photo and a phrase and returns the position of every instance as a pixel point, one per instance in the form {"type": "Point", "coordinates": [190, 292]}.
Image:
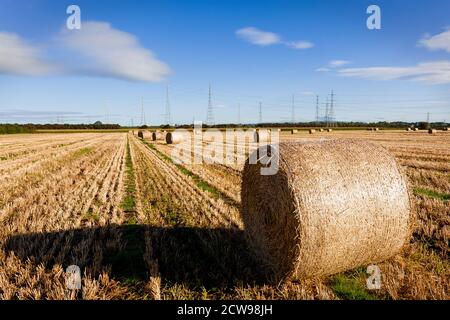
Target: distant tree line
{"type": "Point", "coordinates": [15, 128]}
{"type": "Point", "coordinates": [30, 128]}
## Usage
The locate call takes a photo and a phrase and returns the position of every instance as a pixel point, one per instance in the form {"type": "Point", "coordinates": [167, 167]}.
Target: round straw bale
{"type": "Point", "coordinates": [320, 130]}
{"type": "Point", "coordinates": [311, 131]}
{"type": "Point", "coordinates": [261, 135]}
{"type": "Point", "coordinates": [294, 131]}
{"type": "Point", "coordinates": [432, 131]}
{"type": "Point", "coordinates": [445, 129]}
{"type": "Point", "coordinates": [175, 137]}
{"type": "Point", "coordinates": [408, 129]}
{"type": "Point", "coordinates": [416, 129]}
{"type": "Point", "coordinates": [144, 134]}
{"type": "Point", "coordinates": [329, 130]}
{"type": "Point", "coordinates": [332, 206]}
{"type": "Point", "coordinates": [157, 136]}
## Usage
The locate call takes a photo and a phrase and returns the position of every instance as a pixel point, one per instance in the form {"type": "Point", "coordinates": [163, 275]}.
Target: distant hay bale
{"type": "Point", "coordinates": [278, 130]}
{"type": "Point", "coordinates": [432, 131]}
{"type": "Point", "coordinates": [261, 136]}
{"type": "Point", "coordinates": [294, 131]}
{"type": "Point", "coordinates": [311, 131]}
{"type": "Point", "coordinates": [144, 134]}
{"type": "Point", "coordinates": [445, 129]}
{"type": "Point", "coordinates": [376, 129]}
{"type": "Point", "coordinates": [332, 206]}
{"type": "Point", "coordinates": [416, 129]}
{"type": "Point", "coordinates": [320, 130]}
{"type": "Point", "coordinates": [408, 129]}
{"type": "Point", "coordinates": [158, 136]}
{"type": "Point", "coordinates": [175, 137]}
{"type": "Point", "coordinates": [329, 130]}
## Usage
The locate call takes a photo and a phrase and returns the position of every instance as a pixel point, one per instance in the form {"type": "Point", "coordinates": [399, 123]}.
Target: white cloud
{"type": "Point", "coordinates": [440, 41]}
{"type": "Point", "coordinates": [266, 38]}
{"type": "Point", "coordinates": [338, 63]}
{"type": "Point", "coordinates": [436, 72]}
{"type": "Point", "coordinates": [113, 53]}
{"type": "Point", "coordinates": [300, 44]}
{"type": "Point", "coordinates": [20, 58]}
{"type": "Point", "coordinates": [323, 69]}
{"type": "Point", "coordinates": [258, 37]}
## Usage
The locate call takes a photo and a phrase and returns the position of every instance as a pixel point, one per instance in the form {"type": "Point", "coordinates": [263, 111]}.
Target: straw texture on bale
{"type": "Point", "coordinates": [157, 136]}
{"type": "Point", "coordinates": [175, 137]}
{"type": "Point", "coordinates": [332, 206]}
{"type": "Point", "coordinates": [311, 131]}
{"type": "Point", "coordinates": [261, 136]}
{"type": "Point", "coordinates": [143, 134]}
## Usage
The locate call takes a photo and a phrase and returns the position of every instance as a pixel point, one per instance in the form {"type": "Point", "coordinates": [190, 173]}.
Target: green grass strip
{"type": "Point", "coordinates": [129, 202]}
{"type": "Point", "coordinates": [201, 184]}
{"type": "Point", "coordinates": [432, 194]}
{"type": "Point", "coordinates": [351, 286]}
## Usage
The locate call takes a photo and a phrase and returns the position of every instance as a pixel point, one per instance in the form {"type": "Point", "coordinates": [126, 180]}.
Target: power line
{"type": "Point", "coordinates": [210, 114]}
{"type": "Point", "coordinates": [142, 112]}
{"type": "Point", "coordinates": [260, 112]}
{"type": "Point", "coordinates": [326, 113]}
{"type": "Point", "coordinates": [239, 114]}
{"type": "Point", "coordinates": [167, 115]}
{"type": "Point", "coordinates": [332, 108]}
{"type": "Point", "coordinates": [317, 109]}
{"type": "Point", "coordinates": [293, 109]}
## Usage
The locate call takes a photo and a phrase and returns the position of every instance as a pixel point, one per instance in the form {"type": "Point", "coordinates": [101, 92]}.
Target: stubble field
{"type": "Point", "coordinates": [143, 227]}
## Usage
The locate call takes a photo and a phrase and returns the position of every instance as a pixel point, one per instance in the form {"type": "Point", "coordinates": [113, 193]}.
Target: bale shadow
{"type": "Point", "coordinates": [196, 257]}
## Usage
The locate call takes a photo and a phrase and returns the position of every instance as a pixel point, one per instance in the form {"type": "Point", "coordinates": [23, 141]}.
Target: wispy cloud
{"type": "Point", "coordinates": [300, 44]}
{"type": "Point", "coordinates": [338, 63]}
{"type": "Point", "coordinates": [112, 53]}
{"type": "Point", "coordinates": [17, 57]}
{"type": "Point", "coordinates": [105, 52]}
{"type": "Point", "coordinates": [333, 64]}
{"type": "Point", "coordinates": [436, 72]}
{"type": "Point", "coordinates": [258, 37]}
{"type": "Point", "coordinates": [440, 41]}
{"type": "Point", "coordinates": [266, 38]}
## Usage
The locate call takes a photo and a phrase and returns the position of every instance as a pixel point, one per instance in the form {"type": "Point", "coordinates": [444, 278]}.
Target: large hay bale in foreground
{"type": "Point", "coordinates": [175, 137]}
{"type": "Point", "coordinates": [144, 134]}
{"type": "Point", "coordinates": [261, 136]}
{"type": "Point", "coordinates": [332, 206]}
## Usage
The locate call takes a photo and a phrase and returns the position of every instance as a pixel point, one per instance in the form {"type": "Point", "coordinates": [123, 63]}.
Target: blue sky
{"type": "Point", "coordinates": [129, 50]}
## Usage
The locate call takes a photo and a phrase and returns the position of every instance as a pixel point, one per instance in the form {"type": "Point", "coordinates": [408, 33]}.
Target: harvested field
{"type": "Point", "coordinates": [142, 226]}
